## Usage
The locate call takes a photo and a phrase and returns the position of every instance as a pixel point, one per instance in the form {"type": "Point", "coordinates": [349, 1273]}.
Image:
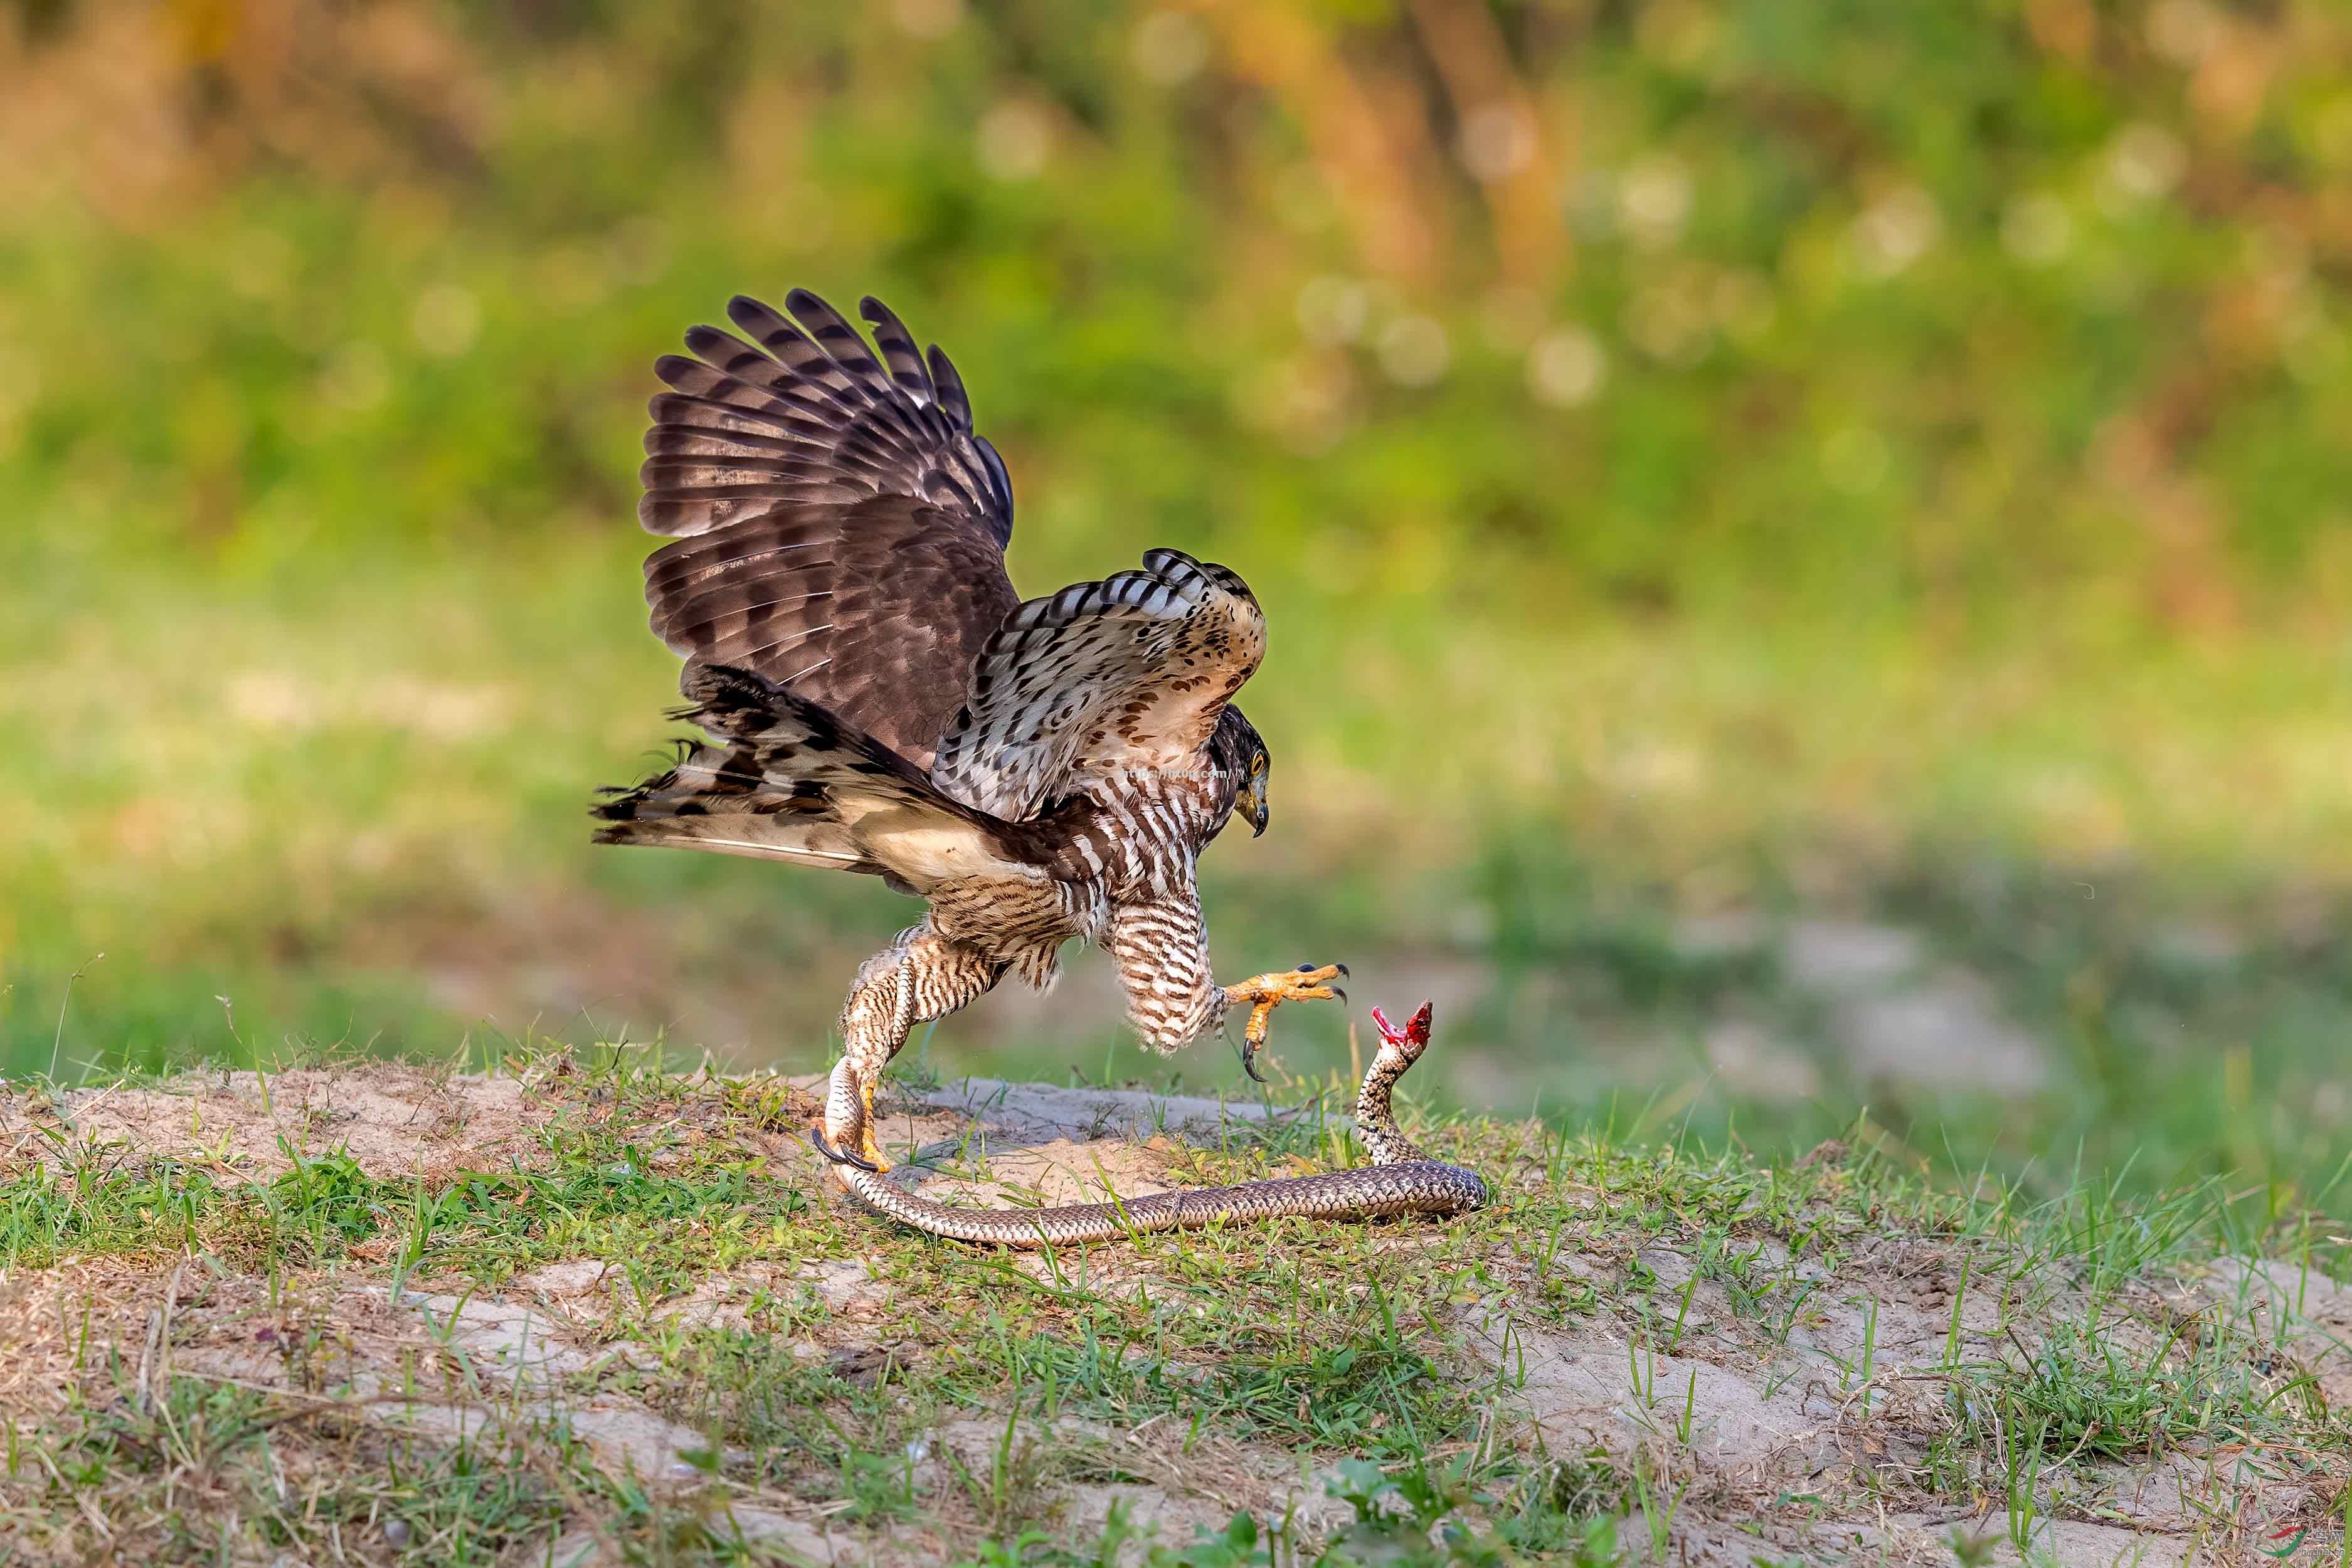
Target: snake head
{"type": "Point", "coordinates": [1412, 1039]}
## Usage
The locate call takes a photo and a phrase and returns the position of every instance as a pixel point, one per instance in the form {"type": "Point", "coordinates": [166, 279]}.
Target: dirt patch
{"type": "Point", "coordinates": [1858, 1390]}
{"type": "Point", "coordinates": [1894, 1016]}
{"type": "Point", "coordinates": [394, 1121]}
{"type": "Point", "coordinates": [2307, 1315]}
{"type": "Point", "coordinates": [455, 1367]}
{"type": "Point", "coordinates": [1177, 1482]}
{"type": "Point", "coordinates": [1943, 1033]}
{"type": "Point", "coordinates": [982, 1141]}
{"type": "Point", "coordinates": [46, 1314]}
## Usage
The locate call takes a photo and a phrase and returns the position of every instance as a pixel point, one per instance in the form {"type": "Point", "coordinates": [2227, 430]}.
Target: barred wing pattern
{"type": "Point", "coordinates": [1131, 672]}
{"type": "Point", "coordinates": [840, 527]}
{"type": "Point", "coordinates": [877, 610]}
{"type": "Point", "coordinates": [813, 417]}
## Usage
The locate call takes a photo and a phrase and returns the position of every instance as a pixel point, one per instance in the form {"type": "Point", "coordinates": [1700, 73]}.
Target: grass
{"type": "Point", "coordinates": [1352, 1393]}
{"type": "Point", "coordinates": [1938, 585]}
{"type": "Point", "coordinates": [204, 1472]}
{"type": "Point", "coordinates": [455, 1503]}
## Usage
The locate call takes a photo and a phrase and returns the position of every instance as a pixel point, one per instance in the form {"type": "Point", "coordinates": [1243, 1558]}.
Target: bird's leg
{"type": "Point", "coordinates": [874, 1022]}
{"type": "Point", "coordinates": [924, 975]}
{"type": "Point", "coordinates": [845, 1132]}
{"type": "Point", "coordinates": [1264, 993]}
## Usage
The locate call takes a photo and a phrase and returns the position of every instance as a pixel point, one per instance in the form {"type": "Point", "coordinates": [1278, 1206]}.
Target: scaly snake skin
{"type": "Point", "coordinates": [1400, 1179]}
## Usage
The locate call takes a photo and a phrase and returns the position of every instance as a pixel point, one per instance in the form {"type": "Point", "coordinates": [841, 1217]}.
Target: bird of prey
{"type": "Point", "coordinates": [875, 698]}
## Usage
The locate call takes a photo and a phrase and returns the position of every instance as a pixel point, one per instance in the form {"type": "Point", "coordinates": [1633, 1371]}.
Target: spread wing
{"type": "Point", "coordinates": [1132, 670]}
{"type": "Point", "coordinates": [840, 527]}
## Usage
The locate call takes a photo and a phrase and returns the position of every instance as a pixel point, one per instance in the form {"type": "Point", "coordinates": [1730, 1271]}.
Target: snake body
{"type": "Point", "coordinates": [1400, 1179]}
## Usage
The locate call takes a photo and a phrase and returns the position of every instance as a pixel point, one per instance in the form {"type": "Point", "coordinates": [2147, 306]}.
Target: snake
{"type": "Point", "coordinates": [1400, 1179]}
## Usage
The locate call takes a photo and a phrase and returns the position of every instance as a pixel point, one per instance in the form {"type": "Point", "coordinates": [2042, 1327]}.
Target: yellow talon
{"type": "Point", "coordinates": [867, 1145]}
{"type": "Point", "coordinates": [1264, 993]}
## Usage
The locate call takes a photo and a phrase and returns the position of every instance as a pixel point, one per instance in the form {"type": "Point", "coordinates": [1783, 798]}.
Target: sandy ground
{"type": "Point", "coordinates": [1740, 1423]}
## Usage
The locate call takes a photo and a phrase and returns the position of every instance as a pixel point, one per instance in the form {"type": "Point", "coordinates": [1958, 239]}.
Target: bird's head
{"type": "Point", "coordinates": [1241, 756]}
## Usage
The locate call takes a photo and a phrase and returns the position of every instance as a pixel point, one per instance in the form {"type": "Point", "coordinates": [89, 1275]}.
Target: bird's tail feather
{"type": "Point", "coordinates": [783, 778]}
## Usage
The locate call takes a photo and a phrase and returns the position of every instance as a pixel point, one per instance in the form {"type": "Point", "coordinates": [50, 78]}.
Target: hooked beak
{"type": "Point", "coordinates": [1253, 803]}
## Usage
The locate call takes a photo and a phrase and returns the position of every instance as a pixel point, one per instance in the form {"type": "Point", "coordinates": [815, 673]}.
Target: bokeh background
{"type": "Point", "coordinates": [1807, 542]}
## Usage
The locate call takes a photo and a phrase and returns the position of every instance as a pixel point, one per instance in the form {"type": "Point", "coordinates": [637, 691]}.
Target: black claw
{"type": "Point", "coordinates": [1342, 969]}
{"type": "Point", "coordinates": [1249, 1063]}
{"type": "Point", "coordinates": [1342, 995]}
{"type": "Point", "coordinates": [816, 1137]}
{"type": "Point", "coordinates": [1309, 968]}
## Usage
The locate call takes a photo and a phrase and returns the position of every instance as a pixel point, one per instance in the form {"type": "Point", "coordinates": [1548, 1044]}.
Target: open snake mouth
{"type": "Point", "coordinates": [1414, 1033]}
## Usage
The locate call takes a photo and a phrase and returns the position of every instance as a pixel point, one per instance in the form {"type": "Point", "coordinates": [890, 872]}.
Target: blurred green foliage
{"type": "Point", "coordinates": [1701, 456]}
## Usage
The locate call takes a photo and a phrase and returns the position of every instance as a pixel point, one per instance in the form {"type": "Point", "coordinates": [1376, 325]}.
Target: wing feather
{"type": "Point", "coordinates": [877, 610]}
{"type": "Point", "coordinates": [1132, 671]}
{"type": "Point", "coordinates": [838, 523]}
{"type": "Point", "coordinates": [812, 390]}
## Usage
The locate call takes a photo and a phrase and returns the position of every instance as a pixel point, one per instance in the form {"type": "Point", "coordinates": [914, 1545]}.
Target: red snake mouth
{"type": "Point", "coordinates": [1412, 1035]}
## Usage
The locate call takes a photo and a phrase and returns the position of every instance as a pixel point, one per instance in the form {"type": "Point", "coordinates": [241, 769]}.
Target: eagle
{"type": "Point", "coordinates": [874, 697]}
